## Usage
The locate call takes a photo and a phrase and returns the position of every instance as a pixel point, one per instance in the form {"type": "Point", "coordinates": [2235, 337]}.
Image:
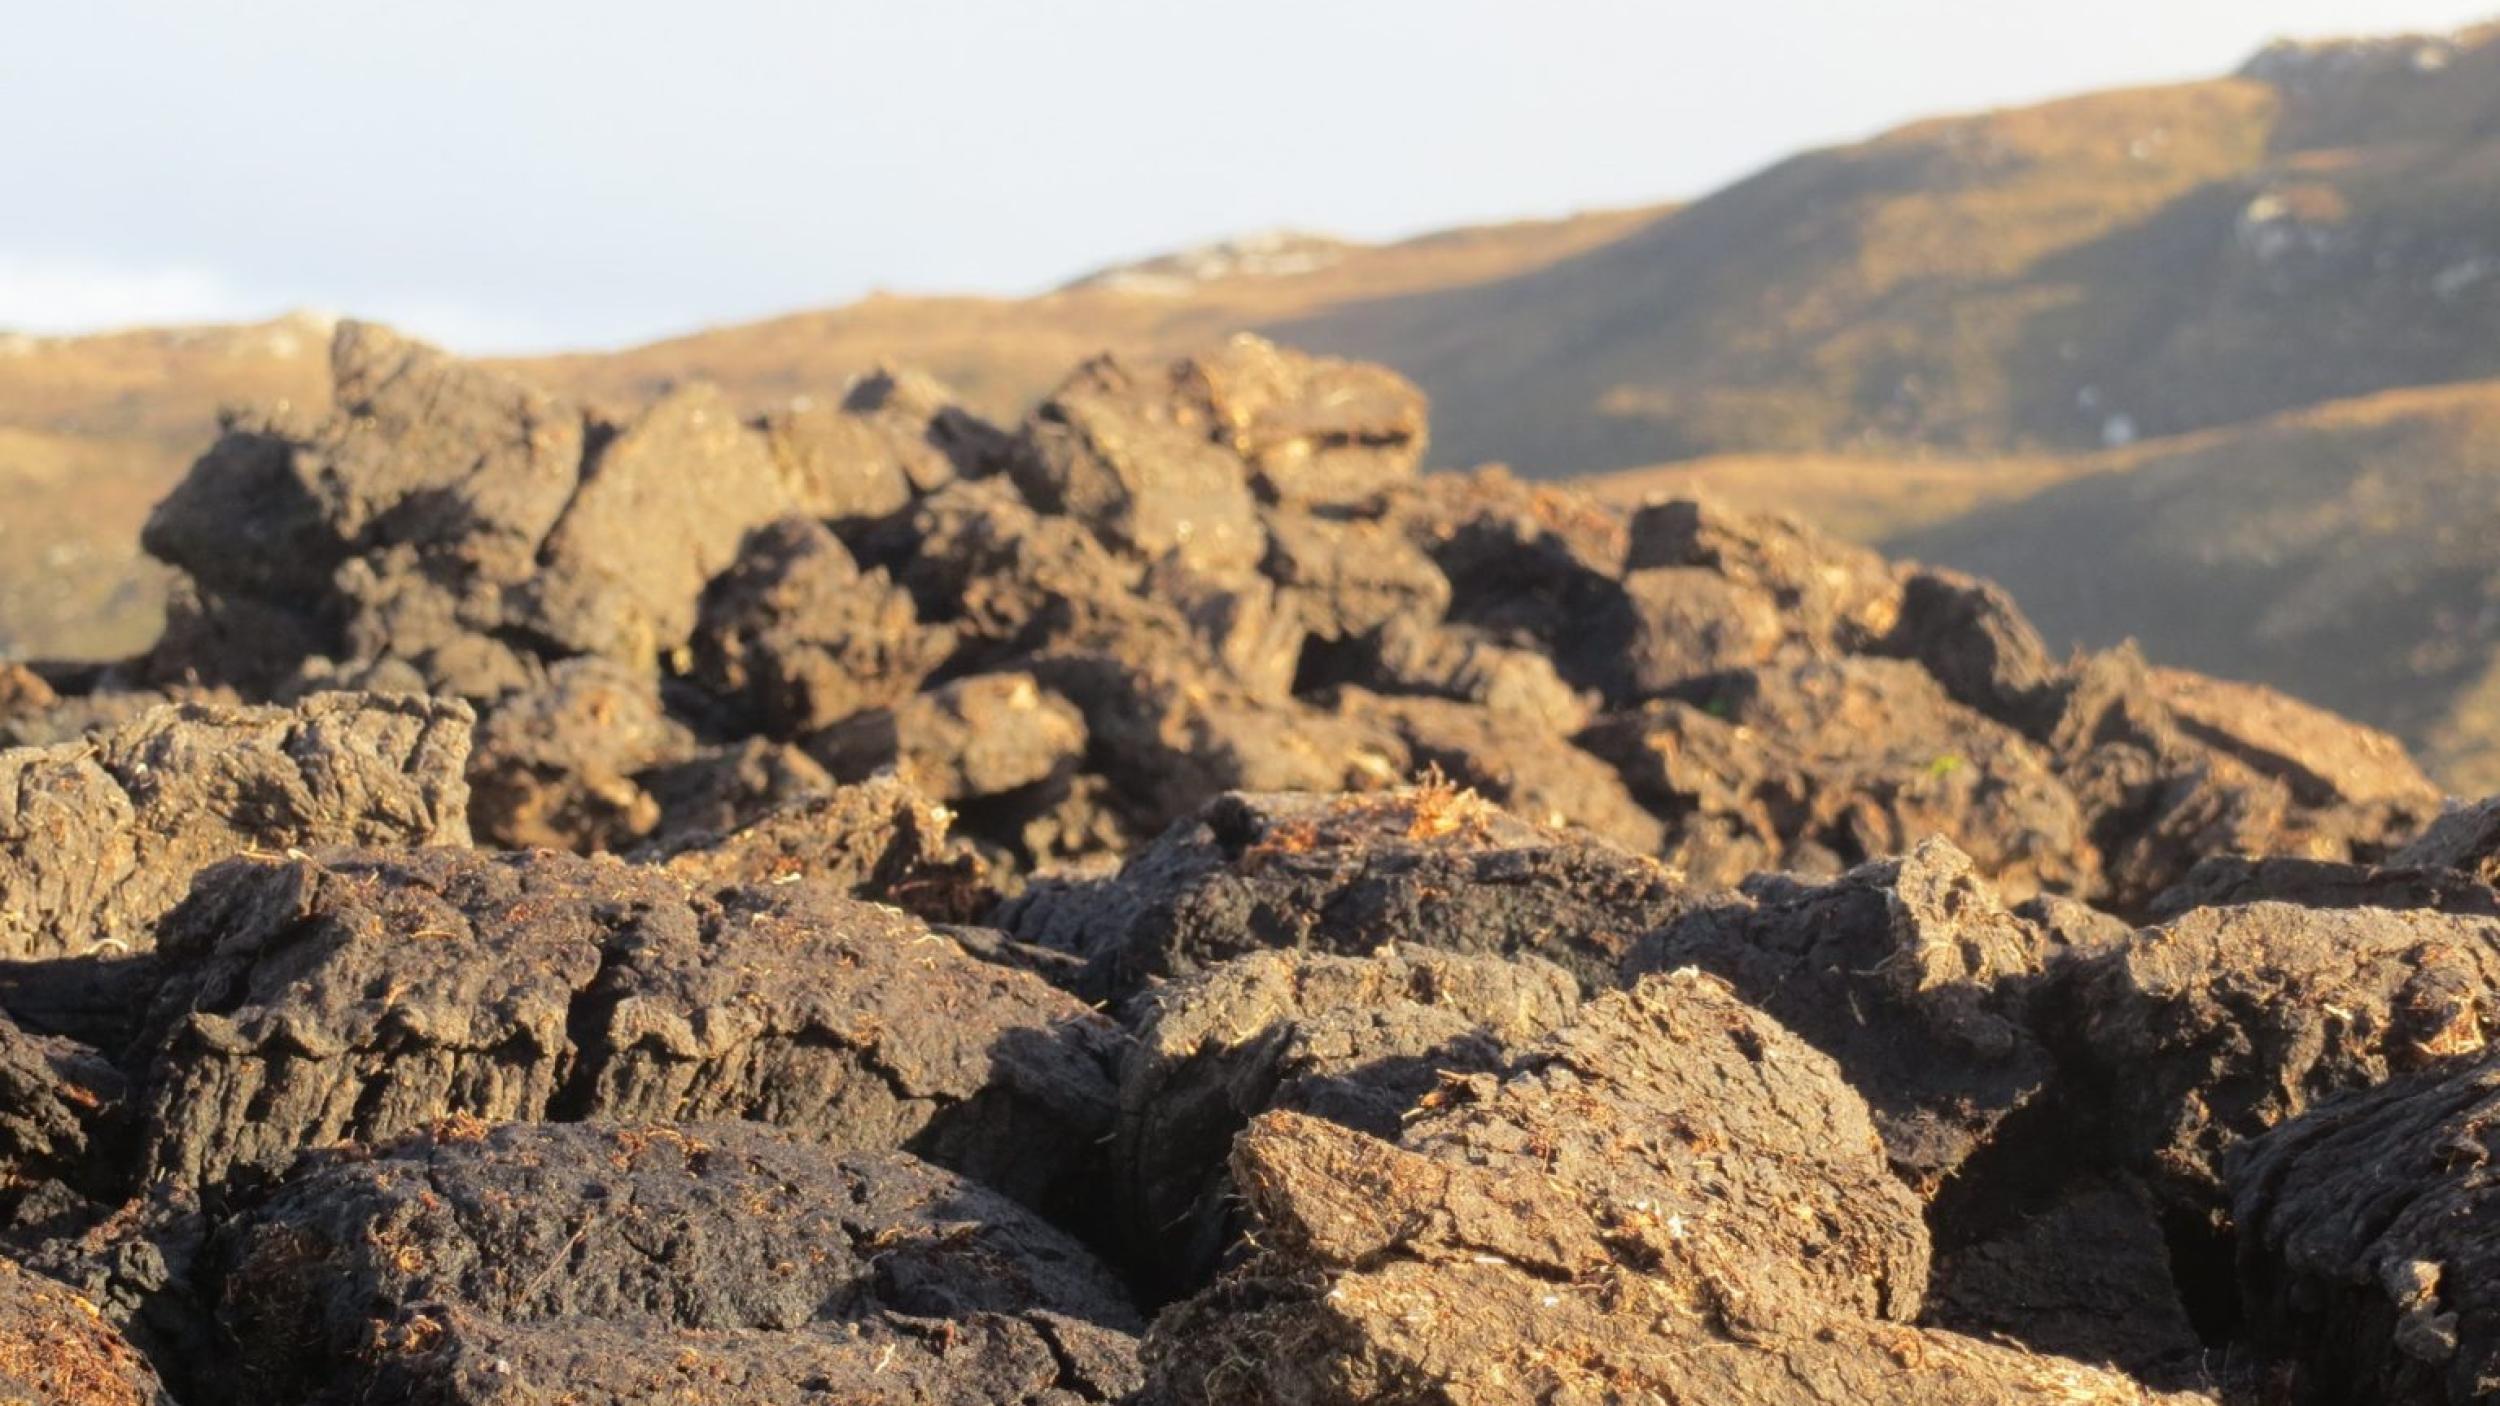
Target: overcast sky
{"type": "Point", "coordinates": [523, 174]}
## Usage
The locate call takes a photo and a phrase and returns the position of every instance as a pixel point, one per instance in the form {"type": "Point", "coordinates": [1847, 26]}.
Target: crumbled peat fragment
{"type": "Point", "coordinates": [1119, 451]}
{"type": "Point", "coordinates": [56, 1351]}
{"type": "Point", "coordinates": [557, 764]}
{"type": "Point", "coordinates": [136, 1262]}
{"type": "Point", "coordinates": [1823, 765]}
{"type": "Point", "coordinates": [2325, 760]}
{"type": "Point", "coordinates": [1763, 1177]}
{"type": "Point", "coordinates": [49, 721]}
{"type": "Point", "coordinates": [2368, 1233]}
{"type": "Point", "coordinates": [1516, 685]}
{"type": "Point", "coordinates": [1530, 563]}
{"type": "Point", "coordinates": [1360, 1041]}
{"type": "Point", "coordinates": [895, 436]}
{"type": "Point", "coordinates": [1711, 590]}
{"type": "Point", "coordinates": [2229, 1021]}
{"type": "Point", "coordinates": [1056, 829]}
{"type": "Point", "coordinates": [1170, 740]}
{"type": "Point", "coordinates": [1315, 432]}
{"type": "Point", "coordinates": [2224, 880]}
{"type": "Point", "coordinates": [1346, 579]}
{"type": "Point", "coordinates": [856, 1027]}
{"type": "Point", "coordinates": [2168, 771]}
{"type": "Point", "coordinates": [2465, 838]}
{"type": "Point", "coordinates": [431, 467]}
{"type": "Point", "coordinates": [62, 1121]}
{"type": "Point", "coordinates": [1936, 1000]}
{"type": "Point", "coordinates": [2077, 1266]}
{"type": "Point", "coordinates": [2168, 767]}
{"type": "Point", "coordinates": [1009, 580]}
{"type": "Point", "coordinates": [1246, 625]}
{"type": "Point", "coordinates": [699, 1263]}
{"type": "Point", "coordinates": [799, 637]}
{"type": "Point", "coordinates": [96, 1001]}
{"type": "Point", "coordinates": [99, 838]}
{"type": "Point", "coordinates": [877, 840]}
{"type": "Point", "coordinates": [1522, 767]}
{"type": "Point", "coordinates": [725, 788]}
{"type": "Point", "coordinates": [357, 996]}
{"type": "Point", "coordinates": [1982, 651]}
{"type": "Point", "coordinates": [360, 995]}
{"type": "Point", "coordinates": [467, 1360]}
{"type": "Point", "coordinates": [1172, 671]}
{"type": "Point", "coordinates": [982, 736]}
{"type": "Point", "coordinates": [1833, 597]}
{"type": "Point", "coordinates": [24, 693]}
{"type": "Point", "coordinates": [1673, 1199]}
{"type": "Point", "coordinates": [1430, 866]}
{"type": "Point", "coordinates": [1679, 624]}
{"type": "Point", "coordinates": [1482, 1328]}
{"type": "Point", "coordinates": [1909, 973]}
{"type": "Point", "coordinates": [620, 573]}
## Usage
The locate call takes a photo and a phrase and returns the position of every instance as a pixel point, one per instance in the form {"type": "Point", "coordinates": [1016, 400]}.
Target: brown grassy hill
{"type": "Point", "coordinates": [70, 568]}
{"type": "Point", "coordinates": [2140, 263]}
{"type": "Point", "coordinates": [92, 432]}
{"type": "Point", "coordinates": [158, 386]}
{"type": "Point", "coordinates": [1864, 497]}
{"type": "Point", "coordinates": [2343, 553]}
{"type": "Point", "coordinates": [1003, 353]}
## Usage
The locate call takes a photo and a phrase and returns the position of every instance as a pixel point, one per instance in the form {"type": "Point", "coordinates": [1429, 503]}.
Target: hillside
{"type": "Point", "coordinates": [2105, 268]}
{"type": "Point", "coordinates": [95, 429]}
{"type": "Point", "coordinates": [2116, 266]}
{"type": "Point", "coordinates": [1863, 497]}
{"type": "Point", "coordinates": [1002, 354]}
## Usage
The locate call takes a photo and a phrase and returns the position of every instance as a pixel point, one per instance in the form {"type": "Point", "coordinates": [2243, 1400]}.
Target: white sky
{"type": "Point", "coordinates": [539, 173]}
